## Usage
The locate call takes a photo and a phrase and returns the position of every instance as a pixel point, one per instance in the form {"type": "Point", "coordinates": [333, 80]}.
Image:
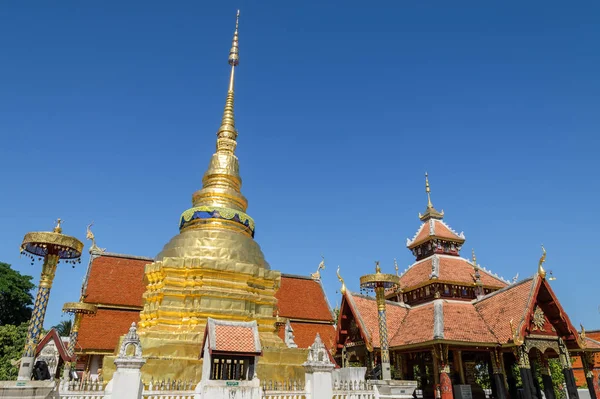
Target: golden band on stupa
{"type": "Point", "coordinates": [212, 268]}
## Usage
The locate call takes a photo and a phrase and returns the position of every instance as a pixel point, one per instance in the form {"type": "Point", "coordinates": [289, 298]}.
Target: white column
{"type": "Point", "coordinates": [318, 371]}
{"type": "Point", "coordinates": [127, 380]}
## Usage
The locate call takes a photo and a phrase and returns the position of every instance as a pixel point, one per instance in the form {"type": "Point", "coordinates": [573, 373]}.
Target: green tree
{"type": "Point", "coordinates": [12, 342]}
{"type": "Point", "coordinates": [64, 328]}
{"type": "Point", "coordinates": [15, 296]}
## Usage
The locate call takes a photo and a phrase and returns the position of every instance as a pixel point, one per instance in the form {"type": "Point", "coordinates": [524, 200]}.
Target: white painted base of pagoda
{"type": "Point", "coordinates": [219, 389]}
{"type": "Point", "coordinates": [394, 389]}
{"type": "Point", "coordinates": [27, 389]}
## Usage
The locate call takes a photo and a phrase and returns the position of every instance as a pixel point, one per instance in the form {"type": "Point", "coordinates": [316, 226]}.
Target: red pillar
{"type": "Point", "coordinates": [445, 382]}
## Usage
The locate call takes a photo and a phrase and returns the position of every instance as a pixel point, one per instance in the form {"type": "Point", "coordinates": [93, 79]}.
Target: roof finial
{"type": "Point", "coordinates": [430, 212]}
{"type": "Point", "coordinates": [396, 266]}
{"type": "Point", "coordinates": [377, 268]}
{"type": "Point", "coordinates": [428, 191]}
{"type": "Point", "coordinates": [477, 276]}
{"type": "Point", "coordinates": [343, 289]}
{"type": "Point", "coordinates": [58, 229]}
{"type": "Point", "coordinates": [226, 135]}
{"type": "Point", "coordinates": [317, 275]}
{"type": "Point", "coordinates": [541, 271]}
{"type": "Point", "coordinates": [90, 236]}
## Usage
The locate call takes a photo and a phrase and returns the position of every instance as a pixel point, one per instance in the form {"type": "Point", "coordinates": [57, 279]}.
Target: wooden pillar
{"type": "Point", "coordinates": [529, 391]}
{"type": "Point", "coordinates": [458, 364]}
{"type": "Point", "coordinates": [498, 374]}
{"type": "Point", "coordinates": [565, 360]}
{"type": "Point", "coordinates": [587, 359]}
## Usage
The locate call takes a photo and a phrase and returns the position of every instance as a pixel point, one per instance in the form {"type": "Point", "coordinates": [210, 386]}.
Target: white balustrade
{"type": "Point", "coordinates": [353, 390]}
{"type": "Point", "coordinates": [283, 390]}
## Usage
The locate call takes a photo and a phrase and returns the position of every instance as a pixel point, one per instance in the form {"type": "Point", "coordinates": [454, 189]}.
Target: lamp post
{"type": "Point", "coordinates": [379, 282]}
{"type": "Point", "coordinates": [79, 309]}
{"type": "Point", "coordinates": [51, 246]}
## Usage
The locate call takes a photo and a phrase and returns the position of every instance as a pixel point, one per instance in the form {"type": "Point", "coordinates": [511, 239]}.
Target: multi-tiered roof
{"type": "Point", "coordinates": [446, 298]}
{"type": "Point", "coordinates": [439, 270]}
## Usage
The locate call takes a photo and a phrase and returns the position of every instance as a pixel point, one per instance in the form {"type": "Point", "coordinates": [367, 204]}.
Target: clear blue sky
{"type": "Point", "coordinates": [108, 112]}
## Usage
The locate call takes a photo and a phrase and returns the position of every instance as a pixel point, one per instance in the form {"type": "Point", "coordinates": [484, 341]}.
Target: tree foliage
{"type": "Point", "coordinates": [12, 342]}
{"type": "Point", "coordinates": [64, 328]}
{"type": "Point", "coordinates": [15, 296]}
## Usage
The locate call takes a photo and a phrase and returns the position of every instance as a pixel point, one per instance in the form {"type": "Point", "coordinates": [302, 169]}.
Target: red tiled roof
{"type": "Point", "coordinates": [440, 230]}
{"type": "Point", "coordinates": [302, 298]}
{"type": "Point", "coordinates": [500, 307]}
{"type": "Point", "coordinates": [232, 336]}
{"type": "Point", "coordinates": [451, 268]}
{"type": "Point", "coordinates": [365, 309]}
{"type": "Point", "coordinates": [463, 323]}
{"type": "Point", "coordinates": [52, 335]}
{"type": "Point", "coordinates": [102, 331]}
{"type": "Point", "coordinates": [234, 339]}
{"type": "Point", "coordinates": [422, 233]}
{"type": "Point", "coordinates": [305, 333]}
{"type": "Point", "coordinates": [591, 343]}
{"type": "Point", "coordinates": [116, 281]}
{"type": "Point", "coordinates": [416, 327]}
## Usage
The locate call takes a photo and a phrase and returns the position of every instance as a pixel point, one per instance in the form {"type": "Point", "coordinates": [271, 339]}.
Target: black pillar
{"type": "Point", "coordinates": [565, 361]}
{"type": "Point", "coordinates": [548, 386]}
{"type": "Point", "coordinates": [497, 374]}
{"type": "Point", "coordinates": [529, 391]}
{"type": "Point", "coordinates": [509, 362]}
{"type": "Point", "coordinates": [500, 388]}
{"type": "Point", "coordinates": [570, 381]}
{"type": "Point", "coordinates": [587, 360]}
{"type": "Point", "coordinates": [590, 384]}
{"type": "Point", "coordinates": [536, 382]}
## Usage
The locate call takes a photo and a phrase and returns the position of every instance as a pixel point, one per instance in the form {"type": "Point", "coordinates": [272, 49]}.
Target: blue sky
{"type": "Point", "coordinates": [108, 112]}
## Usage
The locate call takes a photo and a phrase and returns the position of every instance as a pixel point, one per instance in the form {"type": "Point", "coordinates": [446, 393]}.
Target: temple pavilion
{"type": "Point", "coordinates": [453, 323]}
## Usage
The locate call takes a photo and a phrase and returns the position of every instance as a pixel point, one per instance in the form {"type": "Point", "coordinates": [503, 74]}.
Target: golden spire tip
{"type": "Point", "coordinates": [227, 134]}
{"type": "Point", "coordinates": [428, 191]}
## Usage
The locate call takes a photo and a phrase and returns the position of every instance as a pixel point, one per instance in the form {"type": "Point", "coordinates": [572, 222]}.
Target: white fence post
{"type": "Point", "coordinates": [318, 368]}
{"type": "Point", "coordinates": [127, 380]}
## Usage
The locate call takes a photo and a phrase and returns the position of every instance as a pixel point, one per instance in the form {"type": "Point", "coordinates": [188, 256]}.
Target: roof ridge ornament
{"type": "Point", "coordinates": [541, 271]}
{"type": "Point", "coordinates": [430, 212]}
{"type": "Point", "coordinates": [343, 289]}
{"type": "Point", "coordinates": [317, 275]}
{"type": "Point", "coordinates": [90, 236]}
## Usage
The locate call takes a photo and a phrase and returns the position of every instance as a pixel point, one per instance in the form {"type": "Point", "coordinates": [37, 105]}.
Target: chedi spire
{"type": "Point", "coordinates": [226, 135]}
{"type": "Point", "coordinates": [220, 197]}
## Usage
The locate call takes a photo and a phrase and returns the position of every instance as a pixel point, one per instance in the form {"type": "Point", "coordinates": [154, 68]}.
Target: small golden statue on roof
{"type": "Point", "coordinates": [541, 271]}
{"type": "Point", "coordinates": [317, 275]}
{"type": "Point", "coordinates": [90, 236]}
{"type": "Point", "coordinates": [343, 289]}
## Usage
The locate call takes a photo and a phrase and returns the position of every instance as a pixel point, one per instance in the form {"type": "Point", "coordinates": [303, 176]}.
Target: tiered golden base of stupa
{"type": "Point", "coordinates": [277, 363]}
{"type": "Point", "coordinates": [208, 273]}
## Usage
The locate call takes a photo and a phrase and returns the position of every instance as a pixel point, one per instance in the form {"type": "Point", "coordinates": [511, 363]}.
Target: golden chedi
{"type": "Point", "coordinates": [212, 268]}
